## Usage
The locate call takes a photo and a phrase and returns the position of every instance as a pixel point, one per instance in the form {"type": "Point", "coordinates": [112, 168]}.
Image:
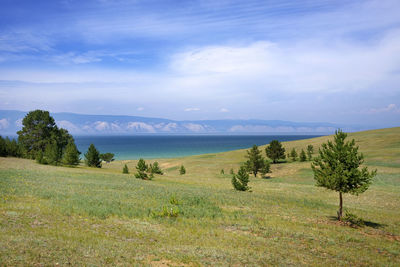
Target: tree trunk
{"type": "Point", "coordinates": [340, 212]}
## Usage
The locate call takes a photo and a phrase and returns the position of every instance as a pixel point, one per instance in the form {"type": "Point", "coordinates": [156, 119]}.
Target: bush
{"type": "Point", "coordinates": [222, 171]}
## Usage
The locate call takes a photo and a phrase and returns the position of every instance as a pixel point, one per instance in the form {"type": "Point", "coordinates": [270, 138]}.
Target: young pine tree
{"type": "Point", "coordinates": [255, 160]}
{"type": "Point", "coordinates": [310, 151]}
{"type": "Point", "coordinates": [338, 168]}
{"type": "Point", "coordinates": [303, 156]}
{"type": "Point", "coordinates": [92, 157]}
{"type": "Point", "coordinates": [141, 168]}
{"type": "Point", "coordinates": [293, 154]}
{"type": "Point", "coordinates": [125, 169]}
{"type": "Point", "coordinates": [241, 179]}
{"type": "Point", "coordinates": [51, 154]}
{"type": "Point", "coordinates": [266, 168]}
{"type": "Point", "coordinates": [71, 155]}
{"type": "Point", "coordinates": [182, 170]}
{"type": "Point", "coordinates": [155, 168]}
{"type": "Point", "coordinates": [275, 151]}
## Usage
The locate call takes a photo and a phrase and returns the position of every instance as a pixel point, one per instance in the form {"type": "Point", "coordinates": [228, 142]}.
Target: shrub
{"type": "Point", "coordinates": [222, 171]}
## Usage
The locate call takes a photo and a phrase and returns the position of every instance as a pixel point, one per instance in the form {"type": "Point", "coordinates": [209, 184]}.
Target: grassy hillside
{"type": "Point", "coordinates": [83, 216]}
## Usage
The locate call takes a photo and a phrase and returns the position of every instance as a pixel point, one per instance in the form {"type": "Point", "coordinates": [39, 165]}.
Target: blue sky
{"type": "Point", "coordinates": [332, 61]}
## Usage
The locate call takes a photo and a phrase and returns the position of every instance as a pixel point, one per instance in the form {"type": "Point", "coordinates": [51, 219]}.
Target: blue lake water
{"type": "Point", "coordinates": [171, 146]}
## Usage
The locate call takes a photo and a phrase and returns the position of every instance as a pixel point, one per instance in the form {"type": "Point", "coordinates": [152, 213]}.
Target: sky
{"type": "Point", "coordinates": [306, 61]}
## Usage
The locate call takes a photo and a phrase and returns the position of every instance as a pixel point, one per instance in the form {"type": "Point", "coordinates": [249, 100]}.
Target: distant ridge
{"type": "Point", "coordinates": [81, 124]}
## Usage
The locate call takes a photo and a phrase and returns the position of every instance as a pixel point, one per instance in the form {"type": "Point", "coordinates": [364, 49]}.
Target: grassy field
{"type": "Point", "coordinates": [95, 217]}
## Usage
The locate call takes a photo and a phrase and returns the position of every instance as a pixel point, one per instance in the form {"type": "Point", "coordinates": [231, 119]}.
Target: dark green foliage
{"type": "Point", "coordinates": [92, 157]}
{"type": "Point", "coordinates": [142, 175]}
{"type": "Point", "coordinates": [303, 156]}
{"type": "Point", "coordinates": [241, 179]}
{"type": "Point", "coordinates": [12, 147]}
{"type": "Point", "coordinates": [3, 147]}
{"type": "Point", "coordinates": [266, 168]}
{"type": "Point", "coordinates": [155, 168]}
{"type": "Point", "coordinates": [40, 130]}
{"type": "Point", "coordinates": [71, 155]}
{"type": "Point", "coordinates": [275, 151]}
{"type": "Point", "coordinates": [231, 171]}
{"type": "Point", "coordinates": [310, 151]}
{"type": "Point", "coordinates": [338, 168]}
{"type": "Point", "coordinates": [37, 132]}
{"type": "Point", "coordinates": [52, 154]}
{"type": "Point", "coordinates": [39, 157]}
{"type": "Point", "coordinates": [255, 160]}
{"type": "Point", "coordinates": [293, 154]}
{"type": "Point", "coordinates": [182, 170]}
{"type": "Point", "coordinates": [141, 165]}
{"type": "Point", "coordinates": [125, 169]}
{"type": "Point", "coordinates": [222, 171]}
{"type": "Point", "coordinates": [107, 157]}
{"type": "Point", "coordinates": [141, 168]}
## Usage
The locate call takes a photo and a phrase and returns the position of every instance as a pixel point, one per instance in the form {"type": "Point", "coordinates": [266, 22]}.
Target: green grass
{"type": "Point", "coordinates": [95, 217]}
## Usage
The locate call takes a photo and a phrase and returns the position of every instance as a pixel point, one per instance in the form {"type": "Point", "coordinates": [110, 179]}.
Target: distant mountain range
{"type": "Point", "coordinates": [80, 124]}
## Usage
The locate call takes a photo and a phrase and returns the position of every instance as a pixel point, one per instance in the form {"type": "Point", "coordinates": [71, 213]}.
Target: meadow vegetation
{"type": "Point", "coordinates": [90, 216]}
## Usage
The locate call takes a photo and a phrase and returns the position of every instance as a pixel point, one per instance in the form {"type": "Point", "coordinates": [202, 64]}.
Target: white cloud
{"type": "Point", "coordinates": [140, 109]}
{"type": "Point", "coordinates": [191, 109]}
{"type": "Point", "coordinates": [194, 127]}
{"type": "Point", "coordinates": [4, 124]}
{"type": "Point", "coordinates": [101, 125]}
{"type": "Point", "coordinates": [389, 108]}
{"type": "Point", "coordinates": [224, 110]}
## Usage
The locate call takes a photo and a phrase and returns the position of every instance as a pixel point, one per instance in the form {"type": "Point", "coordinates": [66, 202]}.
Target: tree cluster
{"type": "Point", "coordinates": [256, 163]}
{"type": "Point", "coordinates": [41, 139]}
{"type": "Point", "coordinates": [147, 171]}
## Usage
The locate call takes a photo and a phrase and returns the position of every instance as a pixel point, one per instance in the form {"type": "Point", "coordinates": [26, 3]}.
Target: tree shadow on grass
{"type": "Point", "coordinates": [363, 223]}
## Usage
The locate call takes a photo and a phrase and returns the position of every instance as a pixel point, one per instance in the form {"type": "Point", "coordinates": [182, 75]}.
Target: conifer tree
{"type": "Point", "coordinates": [303, 156]}
{"type": "Point", "coordinates": [125, 169]}
{"type": "Point", "coordinates": [71, 155]}
{"type": "Point", "coordinates": [275, 151]}
{"type": "Point", "coordinates": [141, 168]}
{"type": "Point", "coordinates": [293, 154]}
{"type": "Point", "coordinates": [182, 170]}
{"type": "Point", "coordinates": [255, 160]}
{"type": "Point", "coordinates": [52, 154]}
{"type": "Point", "coordinates": [155, 168]}
{"type": "Point", "coordinates": [310, 151]}
{"type": "Point", "coordinates": [338, 168]}
{"type": "Point", "coordinates": [266, 168]}
{"type": "Point", "coordinates": [3, 147]}
{"type": "Point", "coordinates": [92, 157]}
{"type": "Point", "coordinates": [241, 179]}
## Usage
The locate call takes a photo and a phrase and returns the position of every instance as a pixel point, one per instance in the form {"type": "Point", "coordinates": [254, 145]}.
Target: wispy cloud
{"type": "Point", "coordinates": [191, 109]}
